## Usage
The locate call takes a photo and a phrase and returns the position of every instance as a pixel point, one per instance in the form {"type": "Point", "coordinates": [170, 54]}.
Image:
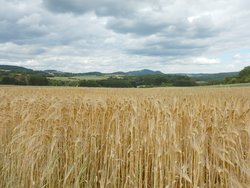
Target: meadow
{"type": "Point", "coordinates": [145, 138]}
{"type": "Point", "coordinates": [78, 78]}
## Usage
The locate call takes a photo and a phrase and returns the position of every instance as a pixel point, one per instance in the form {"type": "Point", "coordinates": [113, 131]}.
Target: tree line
{"type": "Point", "coordinates": [20, 79]}
{"type": "Point", "coordinates": [123, 82]}
{"type": "Point", "coordinates": [243, 77]}
{"type": "Point", "coordinates": [157, 80]}
{"type": "Point", "coordinates": [154, 80]}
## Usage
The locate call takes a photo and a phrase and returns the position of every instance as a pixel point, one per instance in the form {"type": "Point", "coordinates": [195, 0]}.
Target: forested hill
{"type": "Point", "coordinates": [242, 77]}
{"type": "Point", "coordinates": [17, 75]}
{"type": "Point", "coordinates": [213, 76]}
{"type": "Point", "coordinates": [14, 68]}
{"type": "Point", "coordinates": [143, 78]}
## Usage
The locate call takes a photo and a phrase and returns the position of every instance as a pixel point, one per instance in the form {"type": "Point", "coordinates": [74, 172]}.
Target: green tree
{"type": "Point", "coordinates": [88, 83]}
{"type": "Point", "coordinates": [8, 80]}
{"type": "Point", "coordinates": [245, 72]}
{"type": "Point", "coordinates": [38, 80]}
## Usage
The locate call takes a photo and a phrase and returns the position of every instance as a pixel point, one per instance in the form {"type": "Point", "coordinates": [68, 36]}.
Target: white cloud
{"type": "Point", "coordinates": [204, 61]}
{"type": "Point", "coordinates": [110, 35]}
{"type": "Point", "coordinates": [237, 56]}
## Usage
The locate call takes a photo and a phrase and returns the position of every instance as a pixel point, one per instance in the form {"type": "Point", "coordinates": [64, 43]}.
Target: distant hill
{"type": "Point", "coordinates": [17, 75]}
{"type": "Point", "coordinates": [197, 77]}
{"type": "Point", "coordinates": [143, 72]}
{"type": "Point", "coordinates": [212, 76]}
{"type": "Point", "coordinates": [53, 71]}
{"type": "Point", "coordinates": [89, 74]}
{"type": "Point", "coordinates": [130, 73]}
{"type": "Point", "coordinates": [14, 68]}
{"type": "Point", "coordinates": [118, 73]}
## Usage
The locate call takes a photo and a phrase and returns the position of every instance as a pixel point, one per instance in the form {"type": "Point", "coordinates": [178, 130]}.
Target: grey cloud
{"type": "Point", "coordinates": [11, 31]}
{"type": "Point", "coordinates": [200, 27]}
{"type": "Point", "coordinates": [19, 23]}
{"type": "Point", "coordinates": [100, 7]}
{"type": "Point", "coordinates": [140, 27]}
{"type": "Point", "coordinates": [179, 39]}
{"type": "Point", "coordinates": [74, 6]}
{"type": "Point", "coordinates": [41, 27]}
{"type": "Point", "coordinates": [115, 10]}
{"type": "Point", "coordinates": [168, 49]}
{"type": "Point", "coordinates": [91, 31]}
{"type": "Point", "coordinates": [14, 52]}
{"type": "Point", "coordinates": [140, 18]}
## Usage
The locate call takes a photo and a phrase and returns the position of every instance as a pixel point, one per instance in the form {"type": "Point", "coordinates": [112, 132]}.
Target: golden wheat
{"type": "Point", "coordinates": [69, 137]}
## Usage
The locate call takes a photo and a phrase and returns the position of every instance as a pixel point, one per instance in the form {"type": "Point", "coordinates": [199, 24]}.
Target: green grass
{"type": "Point", "coordinates": [231, 85]}
{"type": "Point", "coordinates": [77, 78]}
{"type": "Point", "coordinates": [238, 85]}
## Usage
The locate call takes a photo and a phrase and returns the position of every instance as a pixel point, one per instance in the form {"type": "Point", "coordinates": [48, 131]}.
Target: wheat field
{"type": "Point", "coordinates": [152, 138]}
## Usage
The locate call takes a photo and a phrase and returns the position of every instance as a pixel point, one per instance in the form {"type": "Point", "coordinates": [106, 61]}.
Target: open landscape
{"type": "Point", "coordinates": [124, 94]}
{"type": "Point", "coordinates": [161, 137]}
{"type": "Point", "coordinates": [16, 75]}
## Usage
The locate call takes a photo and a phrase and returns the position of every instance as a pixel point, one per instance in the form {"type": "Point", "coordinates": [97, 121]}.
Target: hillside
{"type": "Point", "coordinates": [18, 75]}
{"type": "Point", "coordinates": [142, 78]}
{"type": "Point", "coordinates": [212, 76]}
{"type": "Point", "coordinates": [14, 68]}
{"type": "Point", "coordinates": [143, 72]}
{"type": "Point", "coordinates": [242, 77]}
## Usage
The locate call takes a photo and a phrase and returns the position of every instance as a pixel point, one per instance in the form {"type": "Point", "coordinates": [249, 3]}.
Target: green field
{"type": "Point", "coordinates": [77, 78]}
{"type": "Point", "coordinates": [231, 85]}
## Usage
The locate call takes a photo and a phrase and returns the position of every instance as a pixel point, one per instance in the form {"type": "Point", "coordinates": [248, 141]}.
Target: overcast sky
{"type": "Point", "coordinates": [172, 36]}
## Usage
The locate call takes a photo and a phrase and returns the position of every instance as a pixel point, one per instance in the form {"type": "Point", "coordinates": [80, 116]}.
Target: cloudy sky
{"type": "Point", "coordinates": [173, 36]}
